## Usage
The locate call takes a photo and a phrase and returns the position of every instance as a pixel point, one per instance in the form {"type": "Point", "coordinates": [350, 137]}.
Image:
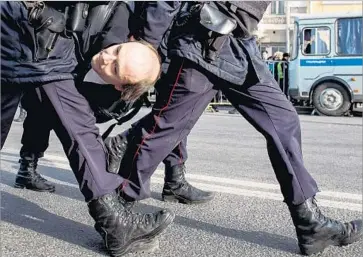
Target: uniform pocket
{"type": "Point", "coordinates": [259, 65]}
{"type": "Point", "coordinates": [62, 47]}
{"type": "Point", "coordinates": [231, 62]}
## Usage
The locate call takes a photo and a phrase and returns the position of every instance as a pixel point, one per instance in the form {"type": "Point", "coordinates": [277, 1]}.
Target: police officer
{"type": "Point", "coordinates": [14, 51]}
{"type": "Point", "coordinates": [106, 105]}
{"type": "Point", "coordinates": [37, 51]}
{"type": "Point", "coordinates": [176, 188]}
{"type": "Point", "coordinates": [211, 48]}
{"type": "Point", "coordinates": [35, 139]}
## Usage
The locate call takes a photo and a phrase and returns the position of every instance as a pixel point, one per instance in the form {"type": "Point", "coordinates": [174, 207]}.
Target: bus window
{"type": "Point", "coordinates": [317, 41]}
{"type": "Point", "coordinates": [349, 40]}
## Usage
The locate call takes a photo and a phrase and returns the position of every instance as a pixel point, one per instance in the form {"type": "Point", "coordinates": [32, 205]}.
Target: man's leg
{"type": "Point", "coordinates": [261, 101]}
{"type": "Point", "coordinates": [75, 125]}
{"type": "Point", "coordinates": [80, 138]}
{"type": "Point", "coordinates": [10, 98]}
{"type": "Point", "coordinates": [36, 131]}
{"type": "Point", "coordinates": [186, 94]}
{"type": "Point", "coordinates": [176, 187]}
{"type": "Point", "coordinates": [266, 107]}
{"type": "Point", "coordinates": [178, 155]}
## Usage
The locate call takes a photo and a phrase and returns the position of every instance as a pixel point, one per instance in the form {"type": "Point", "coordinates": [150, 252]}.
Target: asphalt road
{"type": "Point", "coordinates": [226, 155]}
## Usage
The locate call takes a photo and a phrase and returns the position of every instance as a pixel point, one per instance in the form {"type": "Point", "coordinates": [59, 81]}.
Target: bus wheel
{"type": "Point", "coordinates": [331, 99]}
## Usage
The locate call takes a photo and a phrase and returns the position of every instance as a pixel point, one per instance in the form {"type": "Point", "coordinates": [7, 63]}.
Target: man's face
{"type": "Point", "coordinates": [106, 64]}
{"type": "Point", "coordinates": [126, 63]}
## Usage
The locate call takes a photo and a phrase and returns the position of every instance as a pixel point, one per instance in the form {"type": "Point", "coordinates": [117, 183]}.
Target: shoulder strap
{"type": "Point", "coordinates": [123, 119]}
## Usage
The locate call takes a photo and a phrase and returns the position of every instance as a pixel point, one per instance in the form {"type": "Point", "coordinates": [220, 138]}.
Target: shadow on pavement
{"type": "Point", "coordinates": [71, 231]}
{"type": "Point", "coordinates": [18, 211]}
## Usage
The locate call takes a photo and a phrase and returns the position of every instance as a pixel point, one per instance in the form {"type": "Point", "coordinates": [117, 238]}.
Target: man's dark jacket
{"type": "Point", "coordinates": [19, 66]}
{"type": "Point", "coordinates": [188, 42]}
{"type": "Point", "coordinates": [18, 60]}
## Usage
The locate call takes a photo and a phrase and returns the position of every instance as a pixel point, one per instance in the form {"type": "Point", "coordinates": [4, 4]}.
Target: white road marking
{"type": "Point", "coordinates": [225, 185]}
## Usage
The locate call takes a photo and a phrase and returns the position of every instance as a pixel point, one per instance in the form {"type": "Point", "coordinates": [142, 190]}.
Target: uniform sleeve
{"type": "Point", "coordinates": [156, 19]}
{"type": "Point", "coordinates": [117, 29]}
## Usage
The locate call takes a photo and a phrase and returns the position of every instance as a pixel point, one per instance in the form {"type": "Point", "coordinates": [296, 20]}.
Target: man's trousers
{"type": "Point", "coordinates": [188, 89]}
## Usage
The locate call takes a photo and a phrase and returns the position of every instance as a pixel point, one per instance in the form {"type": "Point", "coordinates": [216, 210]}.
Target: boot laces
{"type": "Point", "coordinates": [38, 177]}
{"type": "Point", "coordinates": [118, 145]}
{"type": "Point", "coordinates": [31, 167]}
{"type": "Point", "coordinates": [325, 219]}
{"type": "Point", "coordinates": [184, 183]}
{"type": "Point", "coordinates": [127, 214]}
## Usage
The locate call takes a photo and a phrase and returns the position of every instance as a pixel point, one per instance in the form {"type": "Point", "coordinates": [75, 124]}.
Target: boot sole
{"type": "Point", "coordinates": [320, 247]}
{"type": "Point", "coordinates": [316, 248]}
{"type": "Point", "coordinates": [178, 199]}
{"type": "Point", "coordinates": [140, 247]}
{"type": "Point", "coordinates": [20, 186]}
{"type": "Point", "coordinates": [139, 243]}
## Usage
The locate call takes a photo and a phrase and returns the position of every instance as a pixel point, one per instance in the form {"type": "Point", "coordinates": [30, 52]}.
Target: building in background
{"type": "Point", "coordinates": [316, 7]}
{"type": "Point", "coordinates": [276, 28]}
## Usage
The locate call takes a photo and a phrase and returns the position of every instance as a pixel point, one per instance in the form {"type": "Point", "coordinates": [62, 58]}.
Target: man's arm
{"type": "Point", "coordinates": [156, 18]}
{"type": "Point", "coordinates": [107, 24]}
{"type": "Point", "coordinates": [116, 31]}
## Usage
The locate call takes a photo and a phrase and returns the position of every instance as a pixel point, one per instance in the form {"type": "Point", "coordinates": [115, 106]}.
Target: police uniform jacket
{"type": "Point", "coordinates": [19, 63]}
{"type": "Point", "coordinates": [189, 40]}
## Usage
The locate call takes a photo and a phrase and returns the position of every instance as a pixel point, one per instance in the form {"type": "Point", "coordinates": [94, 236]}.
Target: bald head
{"type": "Point", "coordinates": [132, 67]}
{"type": "Point", "coordinates": [139, 61]}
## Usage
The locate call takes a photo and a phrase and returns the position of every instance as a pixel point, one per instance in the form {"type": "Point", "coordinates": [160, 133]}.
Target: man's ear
{"type": "Point", "coordinates": [118, 87]}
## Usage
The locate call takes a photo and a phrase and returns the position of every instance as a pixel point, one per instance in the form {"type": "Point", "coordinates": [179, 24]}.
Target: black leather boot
{"type": "Point", "coordinates": [124, 231]}
{"type": "Point", "coordinates": [29, 178]}
{"type": "Point", "coordinates": [116, 148]}
{"type": "Point", "coordinates": [21, 116]}
{"type": "Point", "coordinates": [315, 232]}
{"type": "Point", "coordinates": [177, 189]}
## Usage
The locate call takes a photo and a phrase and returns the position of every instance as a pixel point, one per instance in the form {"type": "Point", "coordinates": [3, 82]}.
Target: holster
{"type": "Point", "coordinates": [223, 19]}
{"type": "Point", "coordinates": [48, 23]}
{"type": "Point", "coordinates": [216, 21]}
{"type": "Point", "coordinates": [219, 26]}
{"type": "Point", "coordinates": [76, 17]}
{"type": "Point", "coordinates": [213, 45]}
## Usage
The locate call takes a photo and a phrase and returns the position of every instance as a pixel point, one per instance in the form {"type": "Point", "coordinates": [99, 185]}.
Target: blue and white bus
{"type": "Point", "coordinates": [325, 70]}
